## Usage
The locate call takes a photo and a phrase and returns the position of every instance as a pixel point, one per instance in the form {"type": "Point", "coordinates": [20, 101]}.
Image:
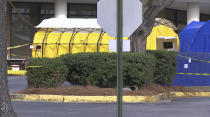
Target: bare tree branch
{"type": "Point", "coordinates": [150, 12]}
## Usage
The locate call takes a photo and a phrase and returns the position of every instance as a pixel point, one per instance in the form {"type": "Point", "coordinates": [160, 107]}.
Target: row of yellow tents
{"type": "Point", "coordinates": [52, 43]}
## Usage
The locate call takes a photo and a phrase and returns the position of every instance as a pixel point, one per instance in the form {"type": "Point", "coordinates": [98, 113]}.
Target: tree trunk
{"type": "Point", "coordinates": [6, 109]}
{"type": "Point", "coordinates": [150, 12]}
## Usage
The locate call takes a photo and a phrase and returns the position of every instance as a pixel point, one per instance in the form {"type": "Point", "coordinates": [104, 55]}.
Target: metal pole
{"type": "Point", "coordinates": [119, 56]}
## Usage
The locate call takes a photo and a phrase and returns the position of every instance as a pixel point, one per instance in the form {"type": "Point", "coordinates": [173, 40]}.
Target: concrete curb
{"type": "Point", "coordinates": [106, 99]}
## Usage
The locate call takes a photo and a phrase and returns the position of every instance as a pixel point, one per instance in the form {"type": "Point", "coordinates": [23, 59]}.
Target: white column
{"type": "Point", "coordinates": [193, 12]}
{"type": "Point", "coordinates": [61, 8]}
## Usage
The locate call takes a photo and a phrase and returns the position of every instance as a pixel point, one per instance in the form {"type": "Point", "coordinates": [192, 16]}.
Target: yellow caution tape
{"type": "Point", "coordinates": [10, 67]}
{"type": "Point", "coordinates": [193, 58]}
{"type": "Point", "coordinates": [20, 15]}
{"type": "Point", "coordinates": [197, 74]}
{"type": "Point", "coordinates": [18, 46]}
{"type": "Point", "coordinates": [29, 67]}
{"type": "Point", "coordinates": [18, 55]}
{"type": "Point", "coordinates": [34, 66]}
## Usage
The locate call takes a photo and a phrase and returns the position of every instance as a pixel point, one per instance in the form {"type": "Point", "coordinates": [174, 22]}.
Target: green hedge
{"type": "Point", "coordinates": [165, 69]}
{"type": "Point", "coordinates": [45, 72]}
{"type": "Point", "coordinates": [99, 69]}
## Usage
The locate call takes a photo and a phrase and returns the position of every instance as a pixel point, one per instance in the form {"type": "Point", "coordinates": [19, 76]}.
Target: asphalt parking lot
{"type": "Point", "coordinates": [199, 107]}
{"type": "Point", "coordinates": [16, 83]}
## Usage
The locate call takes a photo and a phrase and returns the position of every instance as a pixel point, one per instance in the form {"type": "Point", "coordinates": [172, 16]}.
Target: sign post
{"type": "Point", "coordinates": [119, 18]}
{"type": "Point", "coordinates": [119, 31]}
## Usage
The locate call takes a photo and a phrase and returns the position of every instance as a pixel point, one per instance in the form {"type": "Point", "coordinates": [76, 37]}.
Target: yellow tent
{"type": "Point", "coordinates": [52, 43]}
{"type": "Point", "coordinates": [163, 38]}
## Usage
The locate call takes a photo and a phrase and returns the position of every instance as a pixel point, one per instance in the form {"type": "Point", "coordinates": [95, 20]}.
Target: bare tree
{"type": "Point", "coordinates": [6, 109]}
{"type": "Point", "coordinates": [151, 9]}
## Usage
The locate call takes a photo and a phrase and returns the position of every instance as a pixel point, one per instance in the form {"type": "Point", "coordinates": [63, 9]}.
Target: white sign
{"type": "Point", "coordinates": [190, 60]}
{"type": "Point", "coordinates": [186, 66]}
{"type": "Point", "coordinates": [132, 16]}
{"type": "Point", "coordinates": [113, 48]}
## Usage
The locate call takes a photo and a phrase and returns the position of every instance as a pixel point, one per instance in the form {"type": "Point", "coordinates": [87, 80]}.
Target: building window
{"type": "Point", "coordinates": [181, 20]}
{"type": "Point", "coordinates": [171, 15]}
{"type": "Point", "coordinates": [82, 10]}
{"type": "Point", "coordinates": [204, 17]}
{"type": "Point", "coordinates": [22, 33]}
{"type": "Point", "coordinates": [178, 17]}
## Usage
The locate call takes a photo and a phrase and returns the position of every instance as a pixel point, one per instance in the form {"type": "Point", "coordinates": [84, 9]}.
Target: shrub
{"type": "Point", "coordinates": [165, 69]}
{"type": "Point", "coordinates": [46, 73]}
{"type": "Point", "coordinates": [138, 68]}
{"type": "Point", "coordinates": [99, 69]}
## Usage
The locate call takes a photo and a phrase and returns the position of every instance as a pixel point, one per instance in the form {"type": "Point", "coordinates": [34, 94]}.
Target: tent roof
{"type": "Point", "coordinates": [68, 23]}
{"type": "Point", "coordinates": [191, 30]}
{"type": "Point", "coordinates": [161, 32]}
{"type": "Point", "coordinates": [194, 26]}
{"type": "Point", "coordinates": [194, 37]}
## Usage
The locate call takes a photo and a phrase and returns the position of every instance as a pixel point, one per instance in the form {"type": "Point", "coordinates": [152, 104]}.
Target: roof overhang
{"type": "Point", "coordinates": [178, 4]}
{"type": "Point", "coordinates": [182, 5]}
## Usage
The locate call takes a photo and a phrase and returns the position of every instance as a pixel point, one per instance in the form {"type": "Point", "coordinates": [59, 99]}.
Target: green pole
{"type": "Point", "coordinates": [119, 56]}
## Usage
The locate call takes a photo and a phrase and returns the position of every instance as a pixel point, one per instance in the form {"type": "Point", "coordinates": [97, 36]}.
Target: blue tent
{"type": "Point", "coordinates": [195, 37]}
